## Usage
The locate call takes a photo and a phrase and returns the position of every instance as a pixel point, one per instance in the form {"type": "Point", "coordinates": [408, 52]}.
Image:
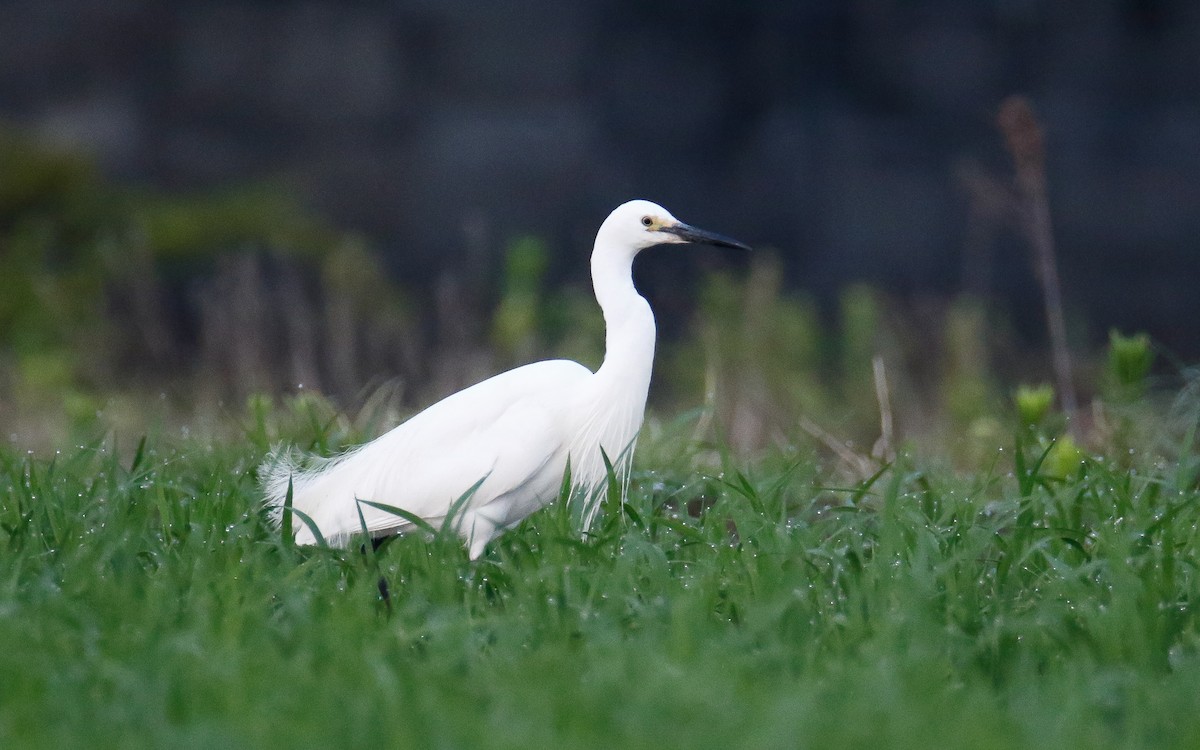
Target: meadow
{"type": "Point", "coordinates": [761, 602]}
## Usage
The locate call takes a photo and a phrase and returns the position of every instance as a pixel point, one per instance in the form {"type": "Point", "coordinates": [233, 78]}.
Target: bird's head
{"type": "Point", "coordinates": [640, 224]}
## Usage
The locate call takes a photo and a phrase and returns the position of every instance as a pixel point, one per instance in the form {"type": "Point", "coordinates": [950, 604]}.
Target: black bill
{"type": "Point", "coordinates": [692, 234]}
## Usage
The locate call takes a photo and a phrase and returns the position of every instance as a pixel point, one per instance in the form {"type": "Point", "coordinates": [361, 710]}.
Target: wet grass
{"type": "Point", "coordinates": [144, 602]}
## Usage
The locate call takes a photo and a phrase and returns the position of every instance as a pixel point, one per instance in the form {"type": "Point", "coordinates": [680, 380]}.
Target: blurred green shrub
{"type": "Point", "coordinates": [968, 382]}
{"type": "Point", "coordinates": [192, 227]}
{"type": "Point", "coordinates": [1124, 406]}
{"type": "Point", "coordinates": [51, 217]}
{"type": "Point", "coordinates": [757, 358]}
{"type": "Point", "coordinates": [1129, 361]}
{"type": "Point", "coordinates": [516, 325]}
{"type": "Point", "coordinates": [531, 322]}
{"type": "Point", "coordinates": [861, 317]}
{"type": "Point", "coordinates": [116, 286]}
{"type": "Point", "coordinates": [1033, 403]}
{"type": "Point", "coordinates": [573, 326]}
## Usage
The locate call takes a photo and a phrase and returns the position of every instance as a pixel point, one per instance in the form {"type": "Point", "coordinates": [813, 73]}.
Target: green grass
{"type": "Point", "coordinates": [144, 602]}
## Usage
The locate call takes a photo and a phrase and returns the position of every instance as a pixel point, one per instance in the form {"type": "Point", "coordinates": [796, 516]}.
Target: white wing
{"type": "Point", "coordinates": [511, 431]}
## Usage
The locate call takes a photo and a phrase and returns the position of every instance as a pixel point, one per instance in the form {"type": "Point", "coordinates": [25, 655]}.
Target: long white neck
{"type": "Point", "coordinates": [614, 403]}
{"type": "Point", "coordinates": [629, 325]}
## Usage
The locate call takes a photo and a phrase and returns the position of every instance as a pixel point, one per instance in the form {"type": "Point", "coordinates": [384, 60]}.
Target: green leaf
{"type": "Point", "coordinates": [409, 516]}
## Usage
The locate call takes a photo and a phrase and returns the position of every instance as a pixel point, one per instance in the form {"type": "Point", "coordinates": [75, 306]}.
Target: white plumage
{"type": "Point", "coordinates": [515, 431]}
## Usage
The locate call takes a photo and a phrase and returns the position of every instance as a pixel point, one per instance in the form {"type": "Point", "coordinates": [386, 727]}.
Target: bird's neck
{"type": "Point", "coordinates": [629, 325]}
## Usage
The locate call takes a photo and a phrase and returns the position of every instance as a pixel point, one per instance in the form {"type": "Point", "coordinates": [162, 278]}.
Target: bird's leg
{"type": "Point", "coordinates": [385, 594]}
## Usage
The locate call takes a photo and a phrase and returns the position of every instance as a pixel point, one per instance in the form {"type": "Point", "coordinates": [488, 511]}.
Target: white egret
{"type": "Point", "coordinates": [512, 434]}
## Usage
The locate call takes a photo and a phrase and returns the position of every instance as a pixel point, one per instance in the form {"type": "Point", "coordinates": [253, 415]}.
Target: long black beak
{"type": "Point", "coordinates": [692, 234]}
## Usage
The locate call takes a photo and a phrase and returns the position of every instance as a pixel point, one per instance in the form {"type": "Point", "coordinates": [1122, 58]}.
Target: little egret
{"type": "Point", "coordinates": [503, 446]}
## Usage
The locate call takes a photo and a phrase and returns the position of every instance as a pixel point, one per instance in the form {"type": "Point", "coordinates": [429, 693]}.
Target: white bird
{"type": "Point", "coordinates": [512, 434]}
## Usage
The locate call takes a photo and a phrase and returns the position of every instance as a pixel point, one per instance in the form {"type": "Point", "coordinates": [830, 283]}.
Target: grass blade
{"type": "Point", "coordinates": [462, 500]}
{"type": "Point", "coordinates": [311, 525]}
{"type": "Point", "coordinates": [409, 516]}
{"type": "Point", "coordinates": [285, 523]}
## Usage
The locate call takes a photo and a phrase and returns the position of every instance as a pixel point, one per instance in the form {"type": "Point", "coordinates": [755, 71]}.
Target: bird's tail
{"type": "Point", "coordinates": [286, 467]}
{"type": "Point", "coordinates": [281, 469]}
{"type": "Point", "coordinates": [309, 478]}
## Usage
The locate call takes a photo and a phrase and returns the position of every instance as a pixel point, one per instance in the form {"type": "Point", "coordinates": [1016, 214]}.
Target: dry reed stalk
{"type": "Point", "coordinates": [885, 447]}
{"type": "Point", "coordinates": [1026, 143]}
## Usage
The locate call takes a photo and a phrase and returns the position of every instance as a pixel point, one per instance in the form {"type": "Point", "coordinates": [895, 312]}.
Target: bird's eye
{"type": "Point", "coordinates": [647, 221]}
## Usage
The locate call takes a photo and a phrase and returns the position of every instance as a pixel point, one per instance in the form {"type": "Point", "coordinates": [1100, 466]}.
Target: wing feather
{"type": "Point", "coordinates": [510, 430]}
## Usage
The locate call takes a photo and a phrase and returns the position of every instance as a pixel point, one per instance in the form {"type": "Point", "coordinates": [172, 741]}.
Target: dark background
{"type": "Point", "coordinates": [836, 132]}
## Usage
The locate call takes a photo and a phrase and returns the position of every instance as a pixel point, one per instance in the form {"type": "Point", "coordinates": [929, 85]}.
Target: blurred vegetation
{"type": "Point", "coordinates": [108, 292]}
{"type": "Point", "coordinates": [128, 303]}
